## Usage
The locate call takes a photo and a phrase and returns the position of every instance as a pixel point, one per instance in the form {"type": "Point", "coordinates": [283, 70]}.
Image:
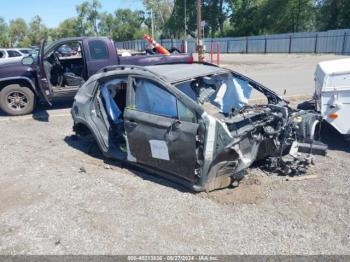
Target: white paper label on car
{"type": "Point", "coordinates": [159, 149]}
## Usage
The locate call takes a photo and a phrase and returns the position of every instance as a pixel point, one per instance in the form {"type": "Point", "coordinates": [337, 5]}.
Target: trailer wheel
{"type": "Point", "coordinates": [17, 100]}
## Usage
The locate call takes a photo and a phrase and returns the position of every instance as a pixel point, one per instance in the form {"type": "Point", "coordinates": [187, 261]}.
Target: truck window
{"type": "Point", "coordinates": [98, 50]}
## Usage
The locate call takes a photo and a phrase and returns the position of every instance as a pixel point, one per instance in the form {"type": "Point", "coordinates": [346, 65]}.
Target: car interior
{"type": "Point", "coordinates": [65, 72]}
{"type": "Point", "coordinates": [221, 94]}
{"type": "Point", "coordinates": [113, 97]}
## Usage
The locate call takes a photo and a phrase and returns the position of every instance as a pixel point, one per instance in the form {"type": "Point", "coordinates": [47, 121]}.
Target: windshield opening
{"type": "Point", "coordinates": [222, 93]}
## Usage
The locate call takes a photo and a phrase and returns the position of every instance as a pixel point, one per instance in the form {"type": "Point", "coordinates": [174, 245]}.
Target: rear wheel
{"type": "Point", "coordinates": [17, 100]}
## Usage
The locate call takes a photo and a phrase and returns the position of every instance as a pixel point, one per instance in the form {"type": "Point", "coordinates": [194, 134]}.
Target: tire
{"type": "Point", "coordinates": [17, 100]}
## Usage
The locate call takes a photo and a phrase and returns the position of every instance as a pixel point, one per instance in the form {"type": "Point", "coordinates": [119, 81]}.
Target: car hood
{"type": "Point", "coordinates": [14, 69]}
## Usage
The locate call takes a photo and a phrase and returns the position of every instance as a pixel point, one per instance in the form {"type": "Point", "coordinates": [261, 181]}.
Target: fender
{"type": "Point", "coordinates": [23, 78]}
{"type": "Point", "coordinates": [80, 121]}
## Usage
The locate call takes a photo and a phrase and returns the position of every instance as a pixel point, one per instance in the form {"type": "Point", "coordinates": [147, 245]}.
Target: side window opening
{"type": "Point", "coordinates": [113, 94]}
{"type": "Point", "coordinates": [98, 50]}
{"type": "Point", "coordinates": [187, 89]}
{"type": "Point", "coordinates": [64, 66]}
{"type": "Point", "coordinates": [184, 113]}
{"type": "Point", "coordinates": [111, 101]}
{"type": "Point", "coordinates": [25, 51]}
{"type": "Point", "coordinates": [13, 53]}
{"type": "Point", "coordinates": [219, 93]}
{"type": "Point", "coordinates": [151, 98]}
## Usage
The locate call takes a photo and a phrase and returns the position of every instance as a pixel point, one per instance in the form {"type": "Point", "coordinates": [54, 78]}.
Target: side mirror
{"type": "Point", "coordinates": [28, 60]}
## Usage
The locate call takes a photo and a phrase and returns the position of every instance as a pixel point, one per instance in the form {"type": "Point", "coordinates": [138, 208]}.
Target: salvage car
{"type": "Point", "coordinates": [191, 123]}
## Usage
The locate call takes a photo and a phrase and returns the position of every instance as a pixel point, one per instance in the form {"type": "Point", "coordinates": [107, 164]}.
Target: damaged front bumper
{"type": "Point", "coordinates": [261, 135]}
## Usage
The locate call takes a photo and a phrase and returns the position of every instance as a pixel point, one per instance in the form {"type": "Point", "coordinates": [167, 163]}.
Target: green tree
{"type": "Point", "coordinates": [4, 37]}
{"type": "Point", "coordinates": [88, 15]}
{"type": "Point", "coordinates": [282, 16]}
{"type": "Point", "coordinates": [82, 24]}
{"type": "Point", "coordinates": [162, 10]}
{"type": "Point", "coordinates": [106, 24]}
{"type": "Point", "coordinates": [17, 31]}
{"type": "Point", "coordinates": [128, 25]}
{"type": "Point", "coordinates": [37, 31]}
{"type": "Point", "coordinates": [246, 17]}
{"type": "Point", "coordinates": [344, 17]}
{"type": "Point", "coordinates": [215, 12]}
{"type": "Point", "coordinates": [175, 25]}
{"type": "Point", "coordinates": [67, 28]}
{"type": "Point", "coordinates": [249, 17]}
{"type": "Point", "coordinates": [333, 14]}
{"type": "Point", "coordinates": [25, 42]}
{"type": "Point", "coordinates": [94, 14]}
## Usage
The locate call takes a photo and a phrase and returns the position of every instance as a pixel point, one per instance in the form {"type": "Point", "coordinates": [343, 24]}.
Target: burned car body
{"type": "Point", "coordinates": [191, 123]}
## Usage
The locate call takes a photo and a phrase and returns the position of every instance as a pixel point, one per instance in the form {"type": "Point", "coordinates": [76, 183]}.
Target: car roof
{"type": "Point", "coordinates": [182, 72]}
{"type": "Point", "coordinates": [171, 73]}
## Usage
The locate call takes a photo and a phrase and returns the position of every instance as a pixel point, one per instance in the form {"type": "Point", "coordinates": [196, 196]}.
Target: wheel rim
{"type": "Point", "coordinates": [17, 100]}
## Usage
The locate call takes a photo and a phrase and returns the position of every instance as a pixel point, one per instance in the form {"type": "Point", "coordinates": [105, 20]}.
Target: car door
{"type": "Point", "coordinates": [157, 136]}
{"type": "Point", "coordinates": [43, 81]}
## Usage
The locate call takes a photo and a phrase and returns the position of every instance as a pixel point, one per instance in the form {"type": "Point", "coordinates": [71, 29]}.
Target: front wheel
{"type": "Point", "coordinates": [17, 100]}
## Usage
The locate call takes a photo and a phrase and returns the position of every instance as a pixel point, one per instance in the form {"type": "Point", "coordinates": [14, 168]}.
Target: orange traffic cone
{"type": "Point", "coordinates": [160, 49]}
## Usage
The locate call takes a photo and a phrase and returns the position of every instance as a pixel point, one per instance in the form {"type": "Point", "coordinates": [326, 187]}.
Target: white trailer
{"type": "Point", "coordinates": [332, 94]}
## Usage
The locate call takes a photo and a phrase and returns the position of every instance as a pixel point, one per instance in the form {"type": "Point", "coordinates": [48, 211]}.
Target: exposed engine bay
{"type": "Point", "coordinates": [267, 134]}
{"type": "Point", "coordinates": [276, 128]}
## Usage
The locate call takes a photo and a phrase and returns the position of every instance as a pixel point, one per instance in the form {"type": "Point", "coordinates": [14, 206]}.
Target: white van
{"type": "Point", "coordinates": [332, 94]}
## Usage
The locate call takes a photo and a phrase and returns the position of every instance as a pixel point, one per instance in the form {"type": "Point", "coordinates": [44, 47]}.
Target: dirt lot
{"type": "Point", "coordinates": [281, 72]}
{"type": "Point", "coordinates": [58, 196]}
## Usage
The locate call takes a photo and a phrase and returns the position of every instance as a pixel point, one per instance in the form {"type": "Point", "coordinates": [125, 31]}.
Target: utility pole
{"type": "Point", "coordinates": [199, 32]}
{"type": "Point", "coordinates": [185, 42]}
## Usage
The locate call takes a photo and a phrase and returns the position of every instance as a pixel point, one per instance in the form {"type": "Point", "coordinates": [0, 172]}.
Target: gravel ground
{"type": "Point", "coordinates": [58, 196]}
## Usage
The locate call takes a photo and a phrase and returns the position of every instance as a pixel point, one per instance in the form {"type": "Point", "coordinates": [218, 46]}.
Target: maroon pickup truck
{"type": "Point", "coordinates": [56, 72]}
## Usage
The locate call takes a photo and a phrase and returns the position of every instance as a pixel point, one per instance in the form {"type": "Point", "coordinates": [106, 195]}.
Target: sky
{"type": "Point", "coordinates": [55, 11]}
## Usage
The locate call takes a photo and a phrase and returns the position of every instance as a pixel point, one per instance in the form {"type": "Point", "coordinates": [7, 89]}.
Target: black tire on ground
{"type": "Point", "coordinates": [17, 100]}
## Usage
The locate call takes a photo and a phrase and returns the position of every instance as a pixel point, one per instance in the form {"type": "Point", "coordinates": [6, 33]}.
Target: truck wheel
{"type": "Point", "coordinates": [17, 100]}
